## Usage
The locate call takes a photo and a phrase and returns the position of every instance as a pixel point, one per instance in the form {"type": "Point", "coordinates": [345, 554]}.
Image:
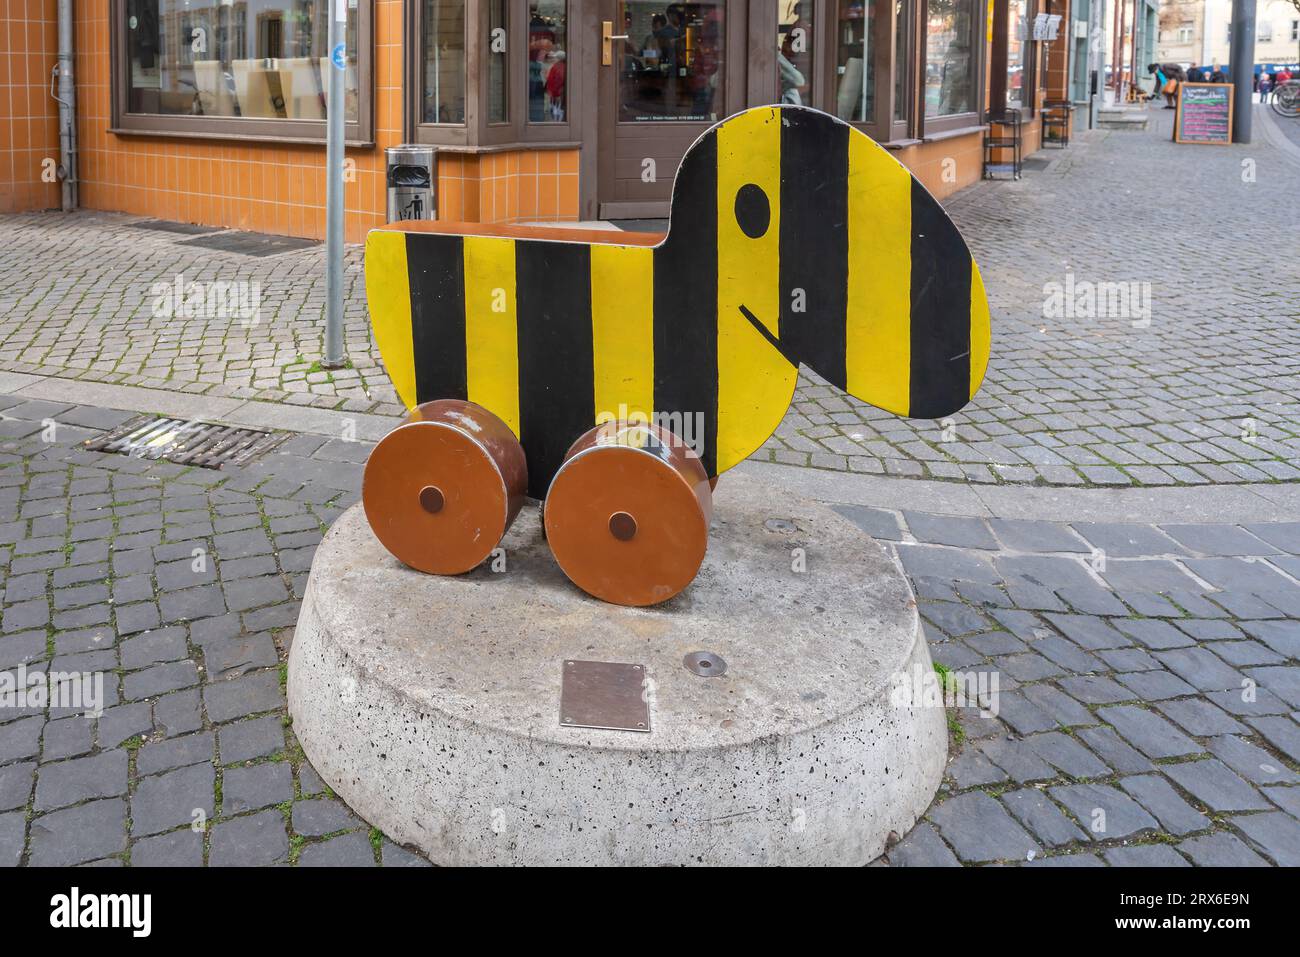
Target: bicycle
{"type": "Point", "coordinates": [1285, 99]}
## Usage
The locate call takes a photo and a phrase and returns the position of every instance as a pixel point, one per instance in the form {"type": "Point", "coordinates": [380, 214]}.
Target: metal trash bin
{"type": "Point", "coordinates": [410, 182]}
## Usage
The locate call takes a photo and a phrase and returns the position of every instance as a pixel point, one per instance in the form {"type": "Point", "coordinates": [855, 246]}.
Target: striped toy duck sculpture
{"type": "Point", "coordinates": [615, 375]}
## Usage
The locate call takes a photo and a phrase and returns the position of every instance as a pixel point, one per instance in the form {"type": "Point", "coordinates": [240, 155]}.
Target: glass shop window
{"type": "Point", "coordinates": [1017, 45]}
{"type": "Point", "coordinates": [497, 62]}
{"type": "Point", "coordinates": [264, 59]}
{"type": "Point", "coordinates": [794, 52]}
{"type": "Point", "coordinates": [548, 66]}
{"type": "Point", "coordinates": [902, 57]}
{"type": "Point", "coordinates": [444, 61]}
{"type": "Point", "coordinates": [949, 63]}
{"type": "Point", "coordinates": [855, 69]}
{"type": "Point", "coordinates": [673, 67]}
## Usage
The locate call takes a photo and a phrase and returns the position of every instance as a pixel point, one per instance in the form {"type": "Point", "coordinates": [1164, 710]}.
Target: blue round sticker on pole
{"type": "Point", "coordinates": [339, 56]}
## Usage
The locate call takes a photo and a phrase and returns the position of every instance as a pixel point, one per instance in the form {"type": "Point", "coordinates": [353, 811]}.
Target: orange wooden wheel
{"type": "Point", "coordinates": [627, 514]}
{"type": "Point", "coordinates": [442, 488]}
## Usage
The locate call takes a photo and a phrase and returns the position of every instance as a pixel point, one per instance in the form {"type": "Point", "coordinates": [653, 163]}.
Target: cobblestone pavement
{"type": "Point", "coordinates": [1146, 710]}
{"type": "Point", "coordinates": [1147, 691]}
{"type": "Point", "coordinates": [1182, 371]}
{"type": "Point", "coordinates": [1289, 126]}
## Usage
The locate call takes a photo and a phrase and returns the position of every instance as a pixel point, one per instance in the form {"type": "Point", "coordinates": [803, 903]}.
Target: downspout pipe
{"type": "Point", "coordinates": [67, 99]}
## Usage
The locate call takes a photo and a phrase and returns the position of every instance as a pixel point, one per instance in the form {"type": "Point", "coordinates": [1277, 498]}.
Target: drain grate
{"type": "Point", "coordinates": [166, 226]}
{"type": "Point", "coordinates": [249, 244]}
{"type": "Point", "coordinates": [185, 442]}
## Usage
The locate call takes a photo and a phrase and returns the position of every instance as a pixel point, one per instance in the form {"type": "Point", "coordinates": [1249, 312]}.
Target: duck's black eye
{"type": "Point", "coordinates": [753, 214]}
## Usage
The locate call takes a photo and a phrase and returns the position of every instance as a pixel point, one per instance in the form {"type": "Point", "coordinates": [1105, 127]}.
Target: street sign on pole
{"type": "Point", "coordinates": [334, 357]}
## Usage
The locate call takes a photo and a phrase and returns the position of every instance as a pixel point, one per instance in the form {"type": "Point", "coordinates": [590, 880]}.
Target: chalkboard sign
{"type": "Point", "coordinates": [1204, 113]}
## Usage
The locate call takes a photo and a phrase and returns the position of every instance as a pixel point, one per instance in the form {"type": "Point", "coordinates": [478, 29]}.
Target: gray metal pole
{"type": "Point", "coordinates": [334, 357]}
{"type": "Point", "coordinates": [67, 100]}
{"type": "Point", "coordinates": [1096, 58]}
{"type": "Point", "coordinates": [1242, 54]}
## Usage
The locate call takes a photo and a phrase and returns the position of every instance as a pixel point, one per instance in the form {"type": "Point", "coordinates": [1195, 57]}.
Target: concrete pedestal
{"type": "Point", "coordinates": [431, 705]}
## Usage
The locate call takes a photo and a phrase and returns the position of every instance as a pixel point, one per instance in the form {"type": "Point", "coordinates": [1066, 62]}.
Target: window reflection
{"type": "Point", "coordinates": [226, 58]}
{"type": "Point", "coordinates": [672, 61]}
{"type": "Point", "coordinates": [547, 61]}
{"type": "Point", "coordinates": [856, 91]}
{"type": "Point", "coordinates": [948, 63]}
{"type": "Point", "coordinates": [1016, 38]}
{"type": "Point", "coordinates": [902, 57]}
{"type": "Point", "coordinates": [794, 52]}
{"type": "Point", "coordinates": [498, 47]}
{"type": "Point", "coordinates": [444, 61]}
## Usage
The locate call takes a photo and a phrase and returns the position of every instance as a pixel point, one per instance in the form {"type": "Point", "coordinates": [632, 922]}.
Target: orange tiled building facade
{"type": "Point", "coordinates": [211, 111]}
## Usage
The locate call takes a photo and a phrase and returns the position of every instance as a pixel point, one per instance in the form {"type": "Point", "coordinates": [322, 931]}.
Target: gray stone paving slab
{"type": "Point", "coordinates": [1148, 732]}
{"type": "Point", "coordinates": [1200, 718]}
{"type": "Point", "coordinates": [16, 785]}
{"type": "Point", "coordinates": [1283, 637]}
{"type": "Point", "coordinates": [250, 841]}
{"type": "Point", "coordinates": [78, 834]}
{"type": "Point", "coordinates": [1146, 855]}
{"type": "Point", "coordinates": [13, 830]}
{"type": "Point", "coordinates": [1128, 540]}
{"type": "Point", "coordinates": [1280, 732]}
{"type": "Point", "coordinates": [949, 530]}
{"type": "Point", "coordinates": [1156, 795]}
{"type": "Point", "coordinates": [1104, 812]}
{"type": "Point", "coordinates": [1250, 761]}
{"type": "Point", "coordinates": [259, 786]}
{"type": "Point", "coordinates": [971, 768]}
{"type": "Point", "coordinates": [346, 850]}
{"type": "Point", "coordinates": [1287, 798]}
{"type": "Point", "coordinates": [980, 829]}
{"type": "Point", "coordinates": [1275, 834]}
{"type": "Point", "coordinates": [1216, 786]}
{"type": "Point", "coordinates": [183, 848]}
{"type": "Point", "coordinates": [1067, 860]}
{"type": "Point", "coordinates": [1200, 668]}
{"type": "Point", "coordinates": [61, 783]}
{"type": "Point", "coordinates": [1043, 818]}
{"type": "Point", "coordinates": [1028, 536]}
{"type": "Point", "coordinates": [1218, 540]}
{"type": "Point", "coordinates": [1281, 680]}
{"type": "Point", "coordinates": [323, 816]}
{"type": "Point", "coordinates": [1020, 763]}
{"type": "Point", "coordinates": [1220, 850]}
{"type": "Point", "coordinates": [255, 738]}
{"type": "Point", "coordinates": [168, 800]}
{"type": "Point", "coordinates": [175, 753]}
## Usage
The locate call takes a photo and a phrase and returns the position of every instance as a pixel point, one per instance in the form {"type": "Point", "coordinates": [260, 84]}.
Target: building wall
{"type": "Point", "coordinates": [29, 117]}
{"type": "Point", "coordinates": [1209, 44]}
{"type": "Point", "coordinates": [1172, 46]}
{"type": "Point", "coordinates": [1277, 14]}
{"type": "Point", "coordinates": [508, 187]}
{"type": "Point", "coordinates": [1283, 17]}
{"type": "Point", "coordinates": [280, 188]}
{"type": "Point", "coordinates": [265, 187]}
{"type": "Point", "coordinates": [927, 161]}
{"type": "Point", "coordinates": [272, 187]}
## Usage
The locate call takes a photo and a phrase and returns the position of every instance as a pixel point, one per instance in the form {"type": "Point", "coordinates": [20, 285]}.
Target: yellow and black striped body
{"type": "Point", "coordinates": [792, 238]}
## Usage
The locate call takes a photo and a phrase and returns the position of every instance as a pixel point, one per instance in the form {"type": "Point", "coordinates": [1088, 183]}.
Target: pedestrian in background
{"type": "Point", "coordinates": [1167, 81]}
